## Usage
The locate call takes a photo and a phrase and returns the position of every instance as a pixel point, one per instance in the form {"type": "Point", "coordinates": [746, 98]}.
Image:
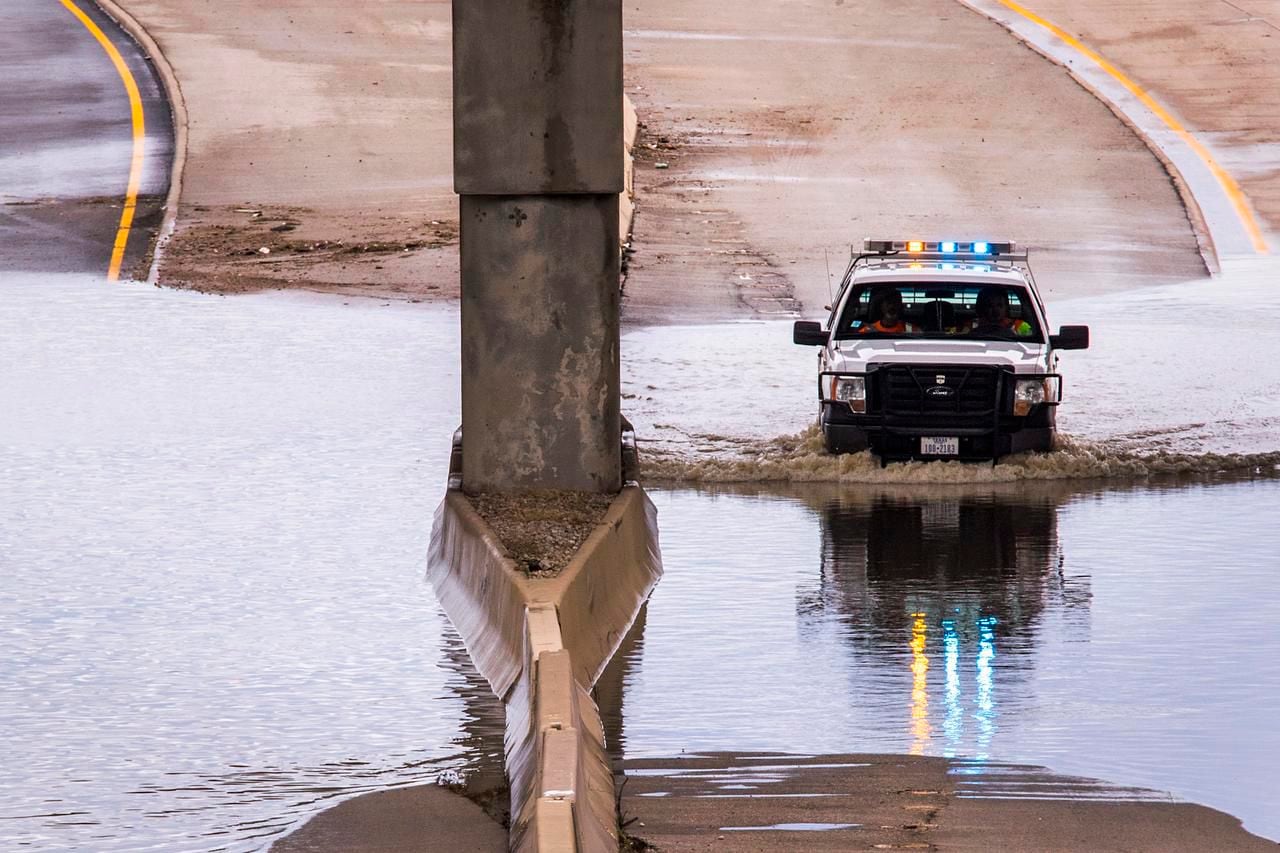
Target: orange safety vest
{"type": "Point", "coordinates": [1018, 327]}
{"type": "Point", "coordinates": [878, 326]}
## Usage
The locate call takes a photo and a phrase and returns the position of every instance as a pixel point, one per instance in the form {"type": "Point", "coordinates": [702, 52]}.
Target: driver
{"type": "Point", "coordinates": [887, 306]}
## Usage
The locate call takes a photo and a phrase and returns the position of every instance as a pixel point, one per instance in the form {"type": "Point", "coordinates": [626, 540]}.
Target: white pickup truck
{"type": "Point", "coordinates": [938, 350]}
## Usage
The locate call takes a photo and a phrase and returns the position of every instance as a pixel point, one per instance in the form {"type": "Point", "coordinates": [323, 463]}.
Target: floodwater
{"type": "Point", "coordinates": [1121, 632]}
{"type": "Point", "coordinates": [1108, 610]}
{"type": "Point", "coordinates": [214, 517]}
{"type": "Point", "coordinates": [1175, 378]}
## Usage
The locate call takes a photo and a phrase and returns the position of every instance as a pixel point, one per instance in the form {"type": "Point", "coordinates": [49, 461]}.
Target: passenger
{"type": "Point", "coordinates": [993, 315]}
{"type": "Point", "coordinates": [886, 307]}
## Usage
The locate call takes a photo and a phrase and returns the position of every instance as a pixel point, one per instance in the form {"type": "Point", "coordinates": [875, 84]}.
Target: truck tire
{"type": "Point", "coordinates": [830, 444]}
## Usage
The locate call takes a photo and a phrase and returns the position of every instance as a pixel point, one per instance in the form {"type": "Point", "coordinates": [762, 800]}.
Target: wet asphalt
{"type": "Point", "coordinates": [66, 142]}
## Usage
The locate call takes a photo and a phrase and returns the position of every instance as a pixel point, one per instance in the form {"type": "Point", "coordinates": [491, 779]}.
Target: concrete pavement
{"type": "Point", "coordinates": [406, 820]}
{"type": "Point", "coordinates": [781, 134]}
{"type": "Point", "coordinates": [1216, 64]}
{"type": "Point", "coordinates": [319, 133]}
{"type": "Point", "coordinates": [767, 802]}
{"type": "Point", "coordinates": [772, 136]}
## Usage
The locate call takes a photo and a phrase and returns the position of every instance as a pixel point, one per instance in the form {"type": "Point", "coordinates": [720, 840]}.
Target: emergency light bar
{"type": "Point", "coordinates": [947, 248]}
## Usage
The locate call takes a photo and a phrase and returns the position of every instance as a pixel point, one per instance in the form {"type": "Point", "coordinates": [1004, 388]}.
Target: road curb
{"type": "Point", "coordinates": [541, 643]}
{"type": "Point", "coordinates": [1196, 217]}
{"type": "Point", "coordinates": [178, 111]}
{"type": "Point", "coordinates": [177, 105]}
{"type": "Point", "coordinates": [627, 198]}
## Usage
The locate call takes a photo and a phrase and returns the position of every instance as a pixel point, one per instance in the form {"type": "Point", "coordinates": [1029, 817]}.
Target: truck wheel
{"type": "Point", "coordinates": [830, 444]}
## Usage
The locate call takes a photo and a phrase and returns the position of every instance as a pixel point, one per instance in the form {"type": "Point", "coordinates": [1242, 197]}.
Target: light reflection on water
{"type": "Point", "coordinates": [214, 517]}
{"type": "Point", "coordinates": [1121, 633]}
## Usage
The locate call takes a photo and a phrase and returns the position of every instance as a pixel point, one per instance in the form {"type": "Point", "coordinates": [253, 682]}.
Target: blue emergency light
{"type": "Point", "coordinates": [941, 247]}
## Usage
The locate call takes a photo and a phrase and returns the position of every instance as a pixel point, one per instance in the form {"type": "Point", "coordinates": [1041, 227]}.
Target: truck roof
{"type": "Point", "coordinates": [932, 261]}
{"type": "Point", "coordinates": [905, 270]}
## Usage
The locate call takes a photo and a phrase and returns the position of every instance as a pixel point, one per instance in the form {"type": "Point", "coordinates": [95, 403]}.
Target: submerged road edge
{"type": "Point", "coordinates": [178, 115]}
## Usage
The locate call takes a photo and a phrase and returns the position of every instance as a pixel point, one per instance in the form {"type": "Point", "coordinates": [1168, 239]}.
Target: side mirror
{"type": "Point", "coordinates": [809, 333]}
{"type": "Point", "coordinates": [1070, 337]}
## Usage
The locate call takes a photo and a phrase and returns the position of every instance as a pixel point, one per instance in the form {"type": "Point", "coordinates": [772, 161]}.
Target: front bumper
{"type": "Point", "coordinates": [906, 402]}
{"type": "Point", "coordinates": [1005, 435]}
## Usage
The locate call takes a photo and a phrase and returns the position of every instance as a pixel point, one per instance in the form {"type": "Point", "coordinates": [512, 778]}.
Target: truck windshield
{"type": "Point", "coordinates": [994, 312]}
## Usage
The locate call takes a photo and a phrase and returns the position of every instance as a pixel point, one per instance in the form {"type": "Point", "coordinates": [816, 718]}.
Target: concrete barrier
{"type": "Point", "coordinates": [541, 643]}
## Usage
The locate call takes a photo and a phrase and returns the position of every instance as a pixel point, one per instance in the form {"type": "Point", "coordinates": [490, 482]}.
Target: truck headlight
{"type": "Point", "coordinates": [851, 390]}
{"type": "Point", "coordinates": [1032, 392]}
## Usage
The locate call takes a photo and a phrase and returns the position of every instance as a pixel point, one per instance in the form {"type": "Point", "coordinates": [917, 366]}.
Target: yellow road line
{"type": "Point", "coordinates": [139, 137]}
{"type": "Point", "coordinates": [1229, 185]}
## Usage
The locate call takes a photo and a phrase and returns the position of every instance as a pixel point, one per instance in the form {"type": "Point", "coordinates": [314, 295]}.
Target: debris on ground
{"type": "Point", "coordinates": [243, 249]}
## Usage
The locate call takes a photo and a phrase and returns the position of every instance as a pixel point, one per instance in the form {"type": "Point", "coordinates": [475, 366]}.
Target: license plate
{"type": "Point", "coordinates": [937, 445]}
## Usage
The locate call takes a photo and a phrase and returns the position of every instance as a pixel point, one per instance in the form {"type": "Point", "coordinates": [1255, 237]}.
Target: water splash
{"type": "Point", "coordinates": [800, 458]}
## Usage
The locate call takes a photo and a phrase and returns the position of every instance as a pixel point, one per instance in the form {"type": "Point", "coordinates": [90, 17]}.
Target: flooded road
{"type": "Point", "coordinates": [1177, 371]}
{"type": "Point", "coordinates": [1108, 610]}
{"type": "Point", "coordinates": [214, 517]}
{"type": "Point", "coordinates": [1110, 631]}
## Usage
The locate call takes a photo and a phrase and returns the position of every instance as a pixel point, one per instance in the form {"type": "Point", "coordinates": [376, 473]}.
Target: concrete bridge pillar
{"type": "Point", "coordinates": [538, 163]}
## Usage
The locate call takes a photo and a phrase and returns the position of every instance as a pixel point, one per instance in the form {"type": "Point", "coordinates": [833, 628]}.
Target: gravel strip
{"type": "Point", "coordinates": [542, 530]}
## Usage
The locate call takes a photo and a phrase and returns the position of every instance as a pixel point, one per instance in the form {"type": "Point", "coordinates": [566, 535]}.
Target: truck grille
{"type": "Point", "coordinates": [944, 392]}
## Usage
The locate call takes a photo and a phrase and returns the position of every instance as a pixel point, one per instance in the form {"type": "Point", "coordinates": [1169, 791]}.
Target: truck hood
{"type": "Point", "coordinates": [856, 356]}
